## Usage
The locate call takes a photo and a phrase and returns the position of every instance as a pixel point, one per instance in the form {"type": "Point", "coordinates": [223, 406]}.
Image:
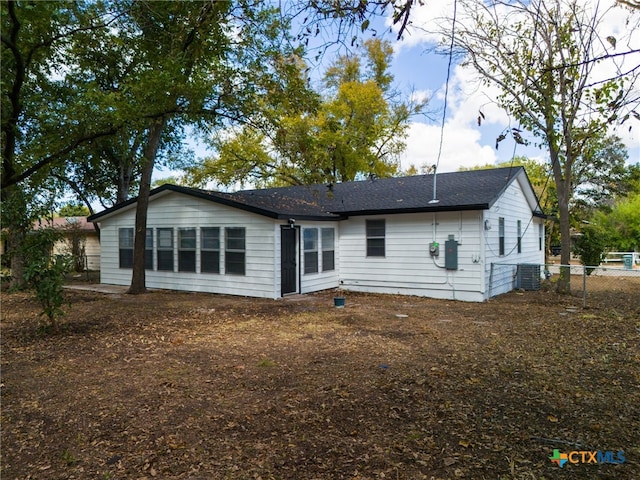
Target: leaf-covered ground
{"type": "Point", "coordinates": [193, 386]}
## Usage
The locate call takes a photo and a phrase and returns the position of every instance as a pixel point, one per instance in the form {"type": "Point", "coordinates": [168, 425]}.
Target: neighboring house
{"type": "Point", "coordinates": [378, 235]}
{"type": "Point", "coordinates": [80, 239]}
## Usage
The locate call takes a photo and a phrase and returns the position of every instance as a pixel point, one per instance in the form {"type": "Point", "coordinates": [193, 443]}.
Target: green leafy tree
{"type": "Point", "coordinates": [542, 56]}
{"type": "Point", "coordinates": [600, 171]}
{"type": "Point", "coordinates": [37, 128]}
{"type": "Point", "coordinates": [631, 182]}
{"type": "Point", "coordinates": [591, 246]}
{"type": "Point", "coordinates": [622, 224]}
{"type": "Point", "coordinates": [73, 210]}
{"type": "Point", "coordinates": [357, 129]}
{"type": "Point", "coordinates": [45, 273]}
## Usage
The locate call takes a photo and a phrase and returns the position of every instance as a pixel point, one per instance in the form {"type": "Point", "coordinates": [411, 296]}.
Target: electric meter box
{"type": "Point", "coordinates": [451, 254]}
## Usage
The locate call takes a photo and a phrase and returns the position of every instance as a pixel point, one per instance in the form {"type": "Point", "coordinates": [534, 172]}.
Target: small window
{"type": "Point", "coordinates": [310, 236]}
{"type": "Point", "coordinates": [540, 236]}
{"type": "Point", "coordinates": [375, 238]}
{"type": "Point", "coordinates": [501, 236]}
{"type": "Point", "coordinates": [187, 250]}
{"type": "Point", "coordinates": [210, 250]}
{"type": "Point", "coordinates": [148, 249]}
{"type": "Point", "coordinates": [165, 249]}
{"type": "Point", "coordinates": [125, 247]}
{"type": "Point", "coordinates": [328, 249]}
{"type": "Point", "coordinates": [519, 236]}
{"type": "Point", "coordinates": [234, 254]}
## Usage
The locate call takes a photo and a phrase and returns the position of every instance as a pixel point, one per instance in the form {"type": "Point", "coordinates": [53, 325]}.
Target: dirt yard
{"type": "Point", "coordinates": [192, 386]}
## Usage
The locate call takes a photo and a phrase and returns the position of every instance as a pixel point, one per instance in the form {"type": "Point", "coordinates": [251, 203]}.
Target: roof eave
{"type": "Point", "coordinates": [313, 218]}
{"type": "Point", "coordinates": [425, 209]}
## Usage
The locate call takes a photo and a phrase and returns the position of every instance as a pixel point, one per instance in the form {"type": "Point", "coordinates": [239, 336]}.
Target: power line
{"type": "Point", "coordinates": [446, 97]}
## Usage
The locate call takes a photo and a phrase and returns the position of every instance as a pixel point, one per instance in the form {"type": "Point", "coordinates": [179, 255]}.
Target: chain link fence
{"type": "Point", "coordinates": [586, 282]}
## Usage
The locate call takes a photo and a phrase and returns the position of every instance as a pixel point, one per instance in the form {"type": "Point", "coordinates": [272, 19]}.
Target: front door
{"type": "Point", "coordinates": [288, 263]}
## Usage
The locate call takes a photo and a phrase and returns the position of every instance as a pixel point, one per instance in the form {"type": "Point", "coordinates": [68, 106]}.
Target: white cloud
{"type": "Point", "coordinates": [460, 148]}
{"type": "Point", "coordinates": [464, 142]}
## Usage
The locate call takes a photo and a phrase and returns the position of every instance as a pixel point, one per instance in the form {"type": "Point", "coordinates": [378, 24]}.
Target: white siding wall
{"type": "Point", "coordinates": [512, 206]}
{"type": "Point", "coordinates": [181, 211]}
{"type": "Point", "coordinates": [92, 251]}
{"type": "Point", "coordinates": [407, 267]}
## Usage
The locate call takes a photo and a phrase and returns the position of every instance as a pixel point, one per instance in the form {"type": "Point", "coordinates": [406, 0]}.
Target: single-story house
{"type": "Point", "coordinates": [387, 235]}
{"type": "Point", "coordinates": [79, 239]}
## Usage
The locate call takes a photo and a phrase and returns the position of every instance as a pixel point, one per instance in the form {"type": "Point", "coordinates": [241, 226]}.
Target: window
{"type": "Point", "coordinates": [125, 247]}
{"type": "Point", "coordinates": [328, 249]}
{"type": "Point", "coordinates": [234, 254]}
{"type": "Point", "coordinates": [501, 236]}
{"type": "Point", "coordinates": [187, 250]}
{"type": "Point", "coordinates": [540, 236]}
{"type": "Point", "coordinates": [519, 236]}
{"type": "Point", "coordinates": [148, 249]}
{"type": "Point", "coordinates": [165, 249]}
{"type": "Point", "coordinates": [375, 238]}
{"type": "Point", "coordinates": [310, 236]}
{"type": "Point", "coordinates": [210, 250]}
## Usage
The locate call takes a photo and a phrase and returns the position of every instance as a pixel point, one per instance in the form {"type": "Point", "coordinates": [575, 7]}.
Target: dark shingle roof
{"type": "Point", "coordinates": [468, 190]}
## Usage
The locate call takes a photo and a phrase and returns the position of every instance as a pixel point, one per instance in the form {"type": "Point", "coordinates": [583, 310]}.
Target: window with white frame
{"type": "Point", "coordinates": [540, 236]}
{"type": "Point", "coordinates": [234, 253]}
{"type": "Point", "coordinates": [148, 249]}
{"type": "Point", "coordinates": [310, 241]}
{"type": "Point", "coordinates": [519, 236]}
{"type": "Point", "coordinates": [501, 236]}
{"type": "Point", "coordinates": [328, 249]}
{"type": "Point", "coordinates": [165, 249]}
{"type": "Point", "coordinates": [187, 249]}
{"type": "Point", "coordinates": [210, 250]}
{"type": "Point", "coordinates": [125, 247]}
{"type": "Point", "coordinates": [375, 238]}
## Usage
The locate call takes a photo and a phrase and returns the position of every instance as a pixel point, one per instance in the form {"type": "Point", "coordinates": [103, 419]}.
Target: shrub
{"type": "Point", "coordinates": [591, 247]}
{"type": "Point", "coordinates": [45, 273]}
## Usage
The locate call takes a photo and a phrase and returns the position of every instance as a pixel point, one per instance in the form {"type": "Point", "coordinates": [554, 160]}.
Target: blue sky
{"type": "Point", "coordinates": [464, 143]}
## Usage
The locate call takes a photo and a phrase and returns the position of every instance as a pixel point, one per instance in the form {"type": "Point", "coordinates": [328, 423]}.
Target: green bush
{"type": "Point", "coordinates": [591, 247]}
{"type": "Point", "coordinates": [45, 273]}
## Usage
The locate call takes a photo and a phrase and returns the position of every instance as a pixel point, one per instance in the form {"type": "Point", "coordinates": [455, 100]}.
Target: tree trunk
{"type": "Point", "coordinates": [124, 180]}
{"type": "Point", "coordinates": [15, 220]}
{"type": "Point", "coordinates": [562, 178]}
{"type": "Point", "coordinates": [138, 282]}
{"type": "Point", "coordinates": [16, 255]}
{"type": "Point", "coordinates": [564, 283]}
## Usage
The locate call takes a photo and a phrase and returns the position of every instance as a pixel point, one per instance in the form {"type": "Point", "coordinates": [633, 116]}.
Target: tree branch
{"type": "Point", "coordinates": [12, 180]}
